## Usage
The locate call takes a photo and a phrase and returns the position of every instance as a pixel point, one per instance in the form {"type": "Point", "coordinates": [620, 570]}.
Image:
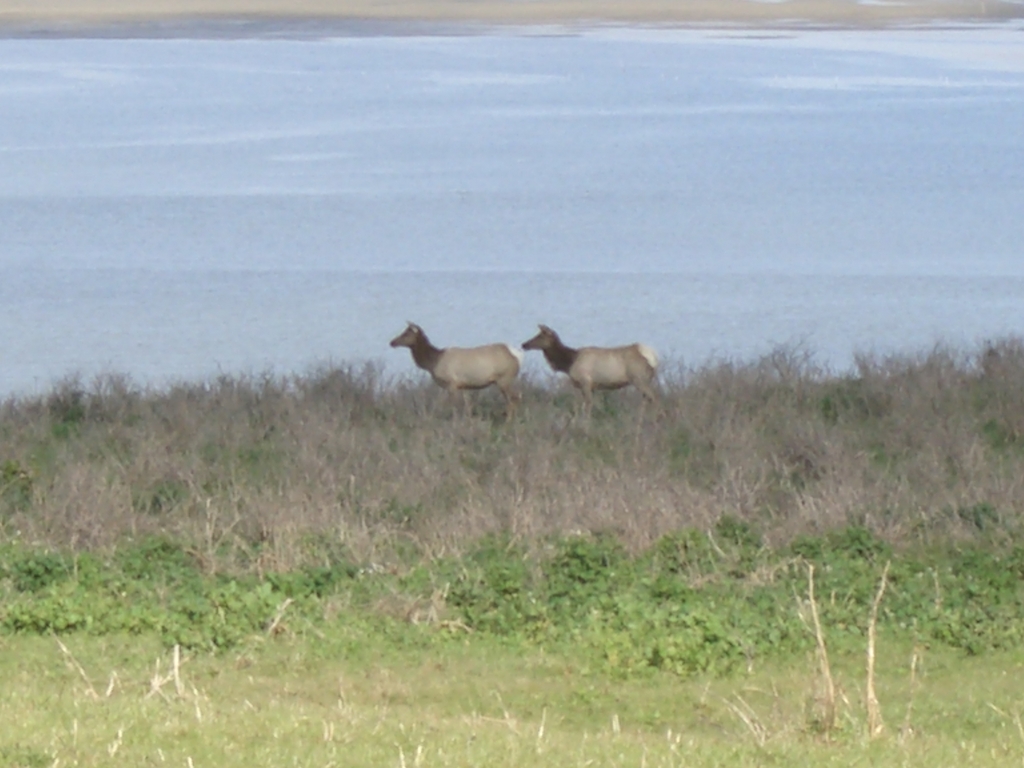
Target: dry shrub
{"type": "Point", "coordinates": [273, 471]}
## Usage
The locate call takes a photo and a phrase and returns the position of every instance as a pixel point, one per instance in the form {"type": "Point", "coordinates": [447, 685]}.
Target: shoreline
{"type": "Point", "coordinates": [244, 18]}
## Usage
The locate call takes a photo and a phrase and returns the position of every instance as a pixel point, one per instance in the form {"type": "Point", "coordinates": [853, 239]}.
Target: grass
{"type": "Point", "coordinates": [297, 701]}
{"type": "Point", "coordinates": [354, 571]}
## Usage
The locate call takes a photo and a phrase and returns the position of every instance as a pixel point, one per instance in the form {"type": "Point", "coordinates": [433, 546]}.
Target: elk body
{"type": "Point", "coordinates": [458, 368]}
{"type": "Point", "coordinates": [591, 368]}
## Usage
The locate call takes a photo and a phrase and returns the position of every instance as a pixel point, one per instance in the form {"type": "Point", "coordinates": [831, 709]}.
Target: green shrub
{"type": "Point", "coordinates": [683, 606]}
{"type": "Point", "coordinates": [18, 756]}
{"type": "Point", "coordinates": [581, 573]}
{"type": "Point", "coordinates": [16, 486]}
{"type": "Point", "coordinates": [33, 571]}
{"type": "Point", "coordinates": [495, 590]}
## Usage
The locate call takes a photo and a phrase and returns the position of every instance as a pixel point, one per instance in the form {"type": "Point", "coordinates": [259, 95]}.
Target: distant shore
{"type": "Point", "coordinates": [56, 16]}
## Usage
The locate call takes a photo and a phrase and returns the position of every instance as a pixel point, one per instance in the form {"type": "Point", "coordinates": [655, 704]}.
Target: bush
{"type": "Point", "coordinates": [682, 606]}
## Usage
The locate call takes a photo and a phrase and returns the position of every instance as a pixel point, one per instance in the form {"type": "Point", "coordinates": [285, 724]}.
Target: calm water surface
{"type": "Point", "coordinates": [176, 208]}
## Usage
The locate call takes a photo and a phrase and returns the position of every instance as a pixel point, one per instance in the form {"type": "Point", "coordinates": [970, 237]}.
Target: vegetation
{"type": "Point", "coordinates": [600, 576]}
{"type": "Point", "coordinates": [694, 603]}
{"type": "Point", "coordinates": [307, 701]}
{"type": "Point", "coordinates": [269, 473]}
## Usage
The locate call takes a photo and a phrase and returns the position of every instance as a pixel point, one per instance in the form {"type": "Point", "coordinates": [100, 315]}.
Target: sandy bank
{"type": "Point", "coordinates": [76, 14]}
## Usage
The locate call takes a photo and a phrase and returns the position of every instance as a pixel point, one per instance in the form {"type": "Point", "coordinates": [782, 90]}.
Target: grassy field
{"type": "Point", "coordinates": [309, 702]}
{"type": "Point", "coordinates": [354, 570]}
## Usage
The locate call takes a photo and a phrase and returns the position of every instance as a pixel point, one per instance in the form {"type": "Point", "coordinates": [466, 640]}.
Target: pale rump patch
{"type": "Point", "coordinates": [648, 354]}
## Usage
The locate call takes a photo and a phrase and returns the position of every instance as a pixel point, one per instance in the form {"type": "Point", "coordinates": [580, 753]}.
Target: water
{"type": "Point", "coordinates": [176, 208]}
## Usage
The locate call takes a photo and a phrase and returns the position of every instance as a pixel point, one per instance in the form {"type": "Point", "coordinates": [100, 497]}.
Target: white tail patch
{"type": "Point", "coordinates": [517, 353]}
{"type": "Point", "coordinates": [648, 354]}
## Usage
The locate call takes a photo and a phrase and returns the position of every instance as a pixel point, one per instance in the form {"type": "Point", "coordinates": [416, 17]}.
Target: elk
{"type": "Point", "coordinates": [457, 368]}
{"type": "Point", "coordinates": [591, 368]}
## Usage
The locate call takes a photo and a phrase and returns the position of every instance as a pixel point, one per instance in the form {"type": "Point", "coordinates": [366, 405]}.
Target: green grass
{"type": "Point", "coordinates": [358, 575]}
{"type": "Point", "coordinates": [301, 701]}
{"type": "Point", "coordinates": [686, 655]}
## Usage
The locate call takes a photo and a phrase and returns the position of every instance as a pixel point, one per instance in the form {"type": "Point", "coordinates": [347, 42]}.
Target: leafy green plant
{"type": "Point", "coordinates": [684, 606]}
{"type": "Point", "coordinates": [688, 551]}
{"type": "Point", "coordinates": [66, 406]}
{"type": "Point", "coordinates": [982, 516]}
{"type": "Point", "coordinates": [19, 756]}
{"type": "Point", "coordinates": [164, 496]}
{"type": "Point", "coordinates": [16, 486]}
{"type": "Point", "coordinates": [33, 571]}
{"type": "Point", "coordinates": [851, 399]}
{"type": "Point", "coordinates": [157, 559]}
{"type": "Point", "coordinates": [581, 573]}
{"type": "Point", "coordinates": [495, 590]}
{"type": "Point", "coordinates": [318, 581]}
{"type": "Point", "coordinates": [999, 435]}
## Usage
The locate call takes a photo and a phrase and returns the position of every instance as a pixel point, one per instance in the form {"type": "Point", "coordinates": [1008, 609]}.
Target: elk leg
{"type": "Point", "coordinates": [647, 391]}
{"type": "Point", "coordinates": [588, 399]}
{"type": "Point", "coordinates": [511, 400]}
{"type": "Point", "coordinates": [457, 398]}
{"type": "Point", "coordinates": [646, 387]}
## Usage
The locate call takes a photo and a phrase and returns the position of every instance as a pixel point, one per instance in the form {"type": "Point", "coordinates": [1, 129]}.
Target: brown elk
{"type": "Point", "coordinates": [457, 368]}
{"type": "Point", "coordinates": [591, 368]}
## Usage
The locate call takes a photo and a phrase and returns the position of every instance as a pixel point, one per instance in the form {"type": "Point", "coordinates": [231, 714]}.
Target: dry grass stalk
{"type": "Point", "coordinates": [749, 718]}
{"type": "Point", "coordinates": [874, 713]}
{"type": "Point", "coordinates": [827, 701]}
{"type": "Point", "coordinates": [115, 745]}
{"type": "Point", "coordinates": [73, 662]}
{"type": "Point", "coordinates": [275, 624]}
{"type": "Point", "coordinates": [1015, 717]}
{"type": "Point", "coordinates": [176, 670]}
{"type": "Point", "coordinates": [195, 701]}
{"type": "Point", "coordinates": [907, 730]}
{"type": "Point", "coordinates": [158, 681]}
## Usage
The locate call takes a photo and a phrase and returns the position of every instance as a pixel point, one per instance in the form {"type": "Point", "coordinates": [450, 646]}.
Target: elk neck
{"type": "Point", "coordinates": [560, 357]}
{"type": "Point", "coordinates": [425, 354]}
